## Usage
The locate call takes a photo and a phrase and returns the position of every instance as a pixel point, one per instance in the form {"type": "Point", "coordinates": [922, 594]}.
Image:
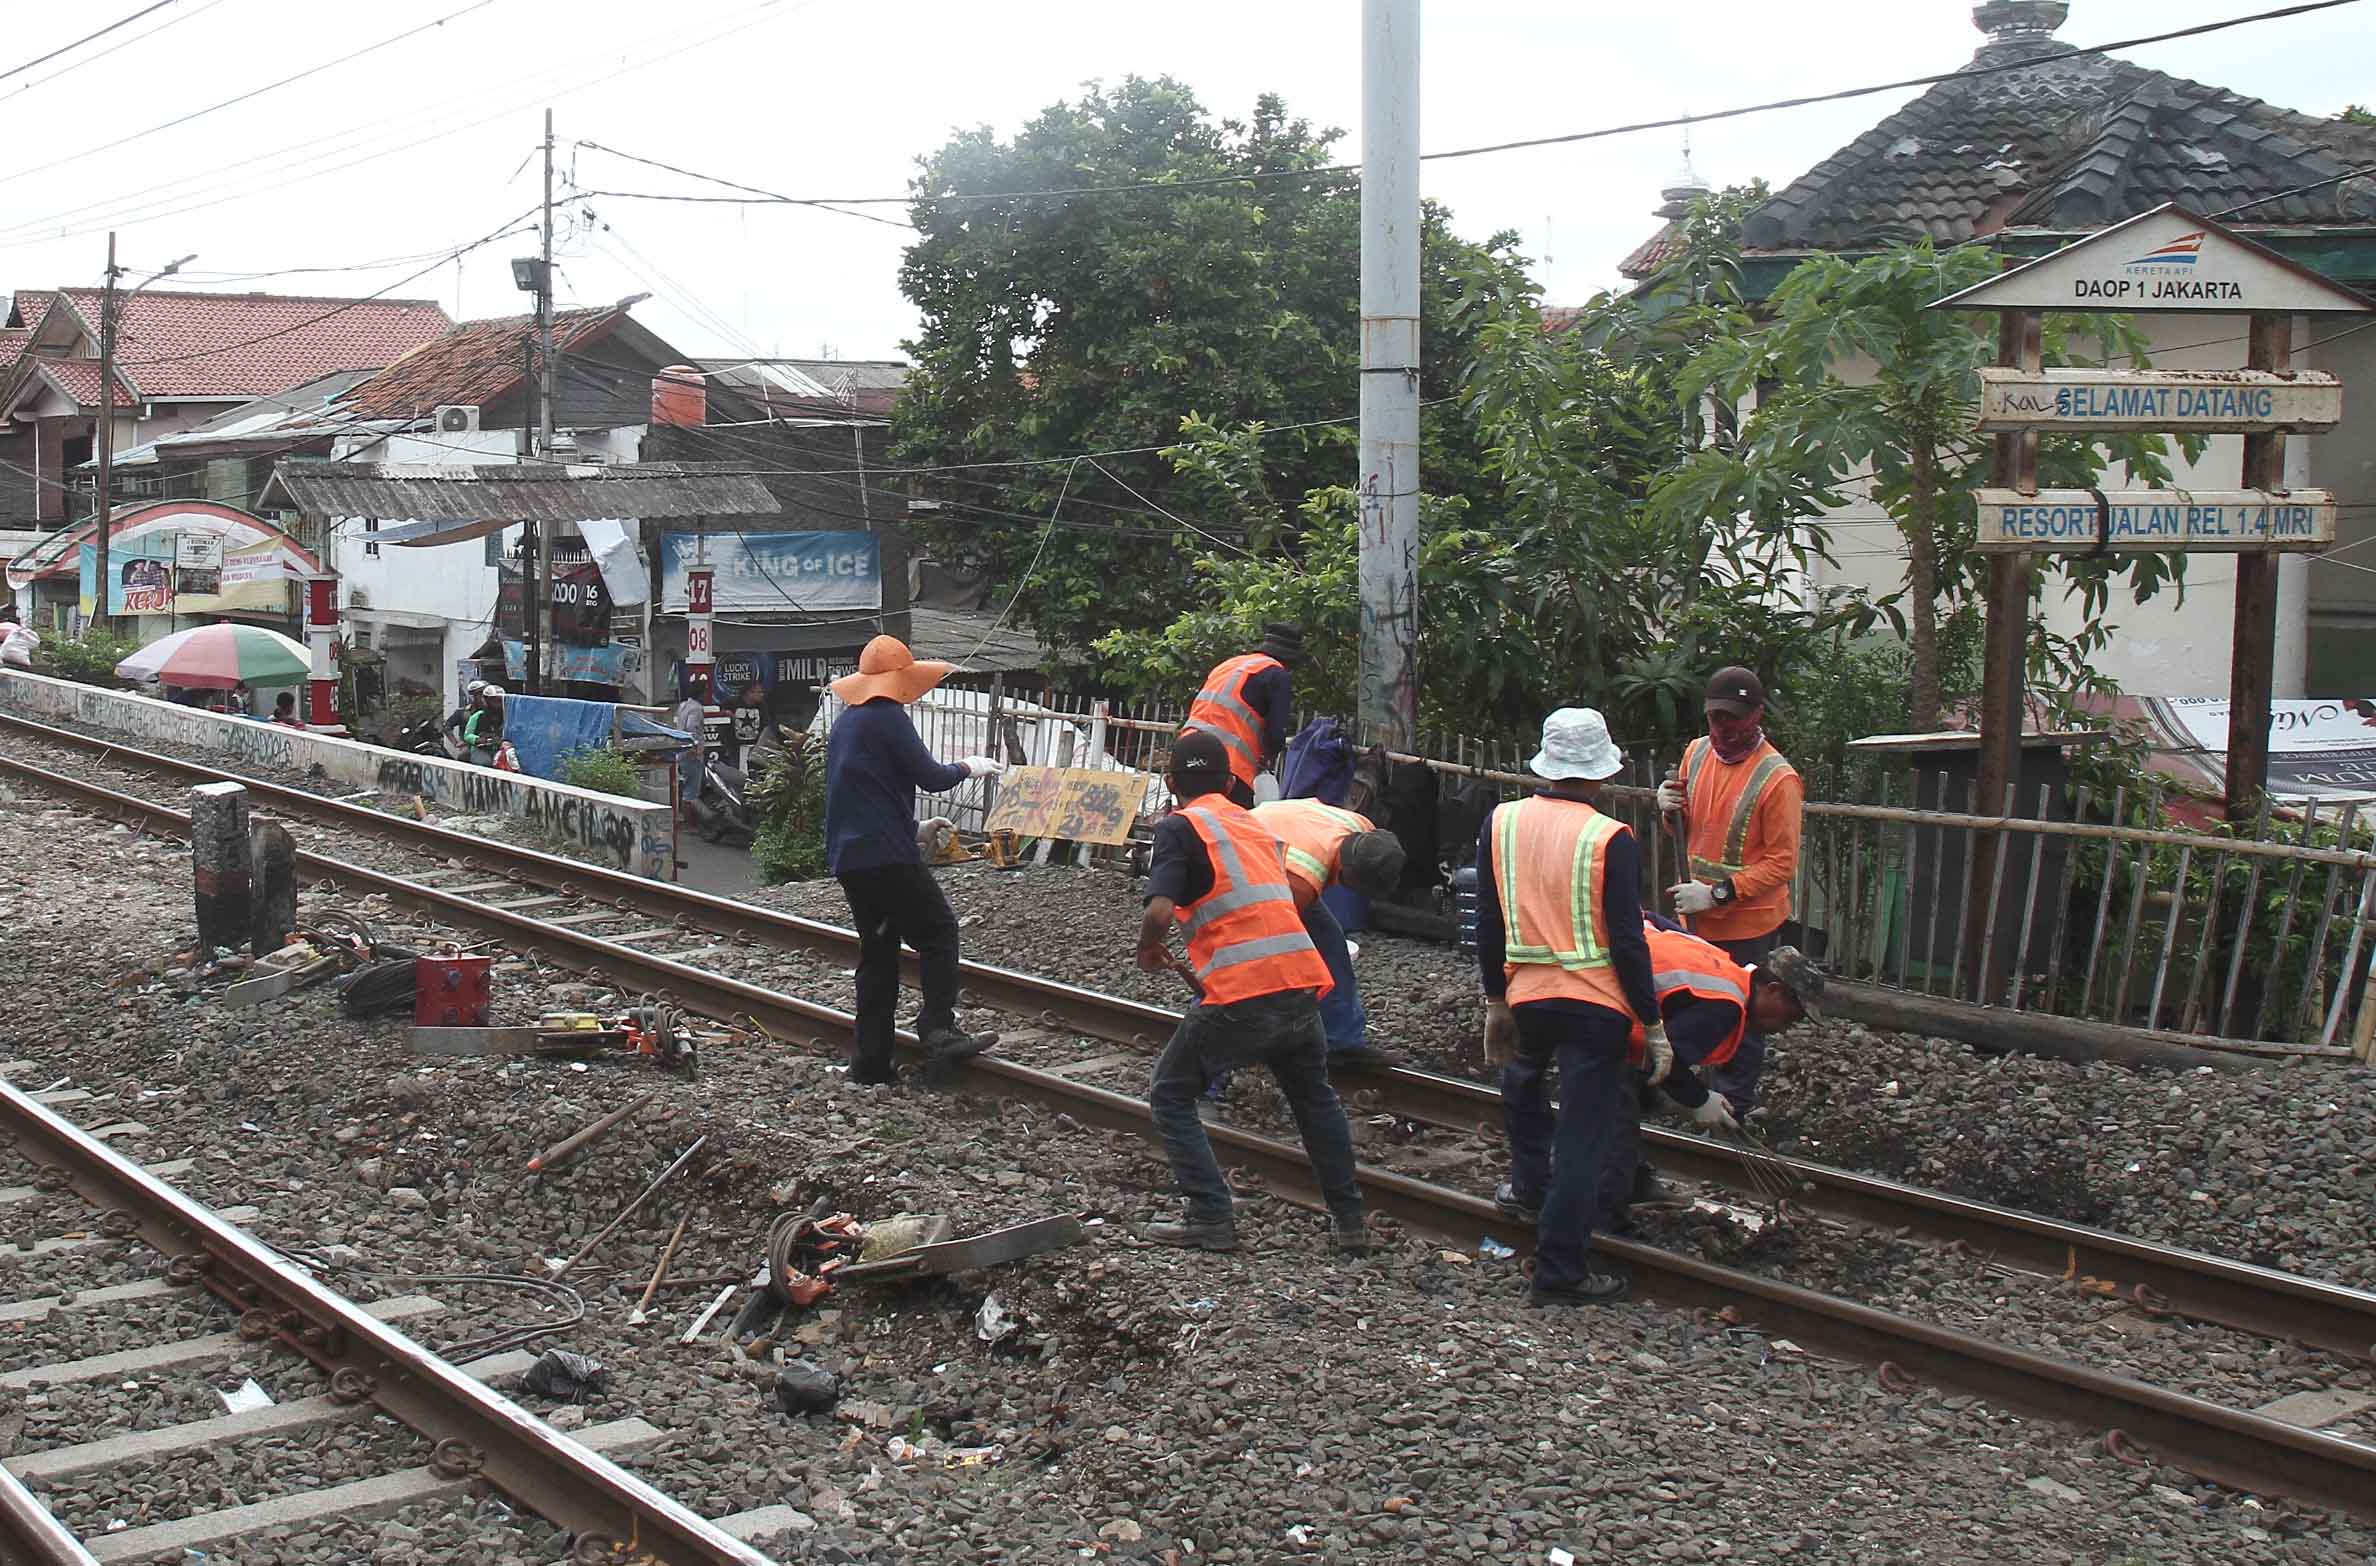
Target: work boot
{"type": "Point", "coordinates": [947, 1044]}
{"type": "Point", "coordinates": [1595, 1288]}
{"type": "Point", "coordinates": [1351, 1236]}
{"type": "Point", "coordinates": [869, 1073]}
{"type": "Point", "coordinates": [1201, 1234]}
{"type": "Point", "coordinates": [1654, 1195]}
{"type": "Point", "coordinates": [1506, 1197]}
{"type": "Point", "coordinates": [1361, 1057]}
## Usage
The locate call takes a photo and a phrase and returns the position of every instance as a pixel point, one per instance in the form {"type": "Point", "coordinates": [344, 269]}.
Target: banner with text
{"type": "Point", "coordinates": [2317, 749]}
{"type": "Point", "coordinates": [776, 573]}
{"type": "Point", "coordinates": [1077, 804]}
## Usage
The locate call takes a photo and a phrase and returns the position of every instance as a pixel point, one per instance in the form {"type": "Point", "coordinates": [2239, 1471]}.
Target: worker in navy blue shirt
{"type": "Point", "coordinates": [874, 765]}
{"type": "Point", "coordinates": [1566, 972]}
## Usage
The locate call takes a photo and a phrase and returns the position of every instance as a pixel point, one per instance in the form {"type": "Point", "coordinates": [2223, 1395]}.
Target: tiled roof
{"type": "Point", "coordinates": [1652, 253]}
{"type": "Point", "coordinates": [244, 345]}
{"type": "Point", "coordinates": [79, 379]}
{"type": "Point", "coordinates": [29, 306]}
{"type": "Point", "coordinates": [476, 362]}
{"type": "Point", "coordinates": [2073, 143]}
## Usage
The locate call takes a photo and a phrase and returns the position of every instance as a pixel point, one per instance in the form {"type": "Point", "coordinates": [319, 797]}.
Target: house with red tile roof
{"type": "Point", "coordinates": [181, 359]}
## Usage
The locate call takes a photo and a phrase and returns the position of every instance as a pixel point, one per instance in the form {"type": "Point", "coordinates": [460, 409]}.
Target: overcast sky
{"type": "Point", "coordinates": [418, 147]}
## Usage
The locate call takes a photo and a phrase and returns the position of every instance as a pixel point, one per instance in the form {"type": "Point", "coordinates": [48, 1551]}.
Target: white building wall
{"type": "Point", "coordinates": [2173, 644]}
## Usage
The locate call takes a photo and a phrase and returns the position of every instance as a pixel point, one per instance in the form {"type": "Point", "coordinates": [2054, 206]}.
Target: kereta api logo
{"type": "Point", "coordinates": [2183, 251]}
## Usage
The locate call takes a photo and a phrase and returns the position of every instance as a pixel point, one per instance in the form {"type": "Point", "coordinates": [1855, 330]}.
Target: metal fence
{"type": "Point", "coordinates": [2054, 903]}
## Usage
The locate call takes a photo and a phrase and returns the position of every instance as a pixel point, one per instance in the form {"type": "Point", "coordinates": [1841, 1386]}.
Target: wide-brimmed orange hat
{"type": "Point", "coordinates": [887, 668]}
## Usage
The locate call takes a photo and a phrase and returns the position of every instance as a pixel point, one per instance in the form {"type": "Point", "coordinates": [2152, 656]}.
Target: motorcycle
{"type": "Point", "coordinates": [425, 738]}
{"type": "Point", "coordinates": [722, 805]}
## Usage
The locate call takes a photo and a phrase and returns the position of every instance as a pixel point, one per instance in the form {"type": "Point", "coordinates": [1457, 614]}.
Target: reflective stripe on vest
{"type": "Point", "coordinates": [1220, 709]}
{"type": "Point", "coordinates": [1686, 965]}
{"type": "Point", "coordinates": [1245, 938]}
{"type": "Point", "coordinates": [1736, 833]}
{"type": "Point", "coordinates": [1313, 833]}
{"type": "Point", "coordinates": [1581, 925]}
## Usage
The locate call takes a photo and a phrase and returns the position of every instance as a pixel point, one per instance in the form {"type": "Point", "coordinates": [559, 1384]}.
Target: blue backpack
{"type": "Point", "coordinates": [1318, 764]}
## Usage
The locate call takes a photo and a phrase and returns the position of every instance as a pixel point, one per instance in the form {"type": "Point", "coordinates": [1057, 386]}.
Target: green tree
{"type": "Point", "coordinates": [1857, 382]}
{"type": "Point", "coordinates": [1061, 325]}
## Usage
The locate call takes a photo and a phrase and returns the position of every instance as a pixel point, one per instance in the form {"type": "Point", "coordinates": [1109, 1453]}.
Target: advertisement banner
{"type": "Point", "coordinates": [249, 580]}
{"type": "Point", "coordinates": [2317, 749]}
{"type": "Point", "coordinates": [198, 564]}
{"type": "Point", "coordinates": [614, 663]}
{"type": "Point", "coordinates": [776, 573]}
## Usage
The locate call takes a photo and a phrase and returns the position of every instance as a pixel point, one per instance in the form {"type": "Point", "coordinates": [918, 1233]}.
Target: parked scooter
{"type": "Point", "coordinates": [723, 804]}
{"type": "Point", "coordinates": [425, 738]}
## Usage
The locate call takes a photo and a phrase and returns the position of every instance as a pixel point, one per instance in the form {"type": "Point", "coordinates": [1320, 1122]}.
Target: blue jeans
{"type": "Point", "coordinates": [1737, 1078]}
{"type": "Point", "coordinates": [1341, 1016]}
{"type": "Point", "coordinates": [1559, 1162]}
{"type": "Point", "coordinates": [1282, 1032]}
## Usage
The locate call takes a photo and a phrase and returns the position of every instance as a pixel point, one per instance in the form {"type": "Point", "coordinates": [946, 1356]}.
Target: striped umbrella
{"type": "Point", "coordinates": [217, 657]}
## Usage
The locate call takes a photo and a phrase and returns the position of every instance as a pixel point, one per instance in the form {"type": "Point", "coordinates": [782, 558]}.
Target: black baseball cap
{"type": "Point", "coordinates": [1199, 753]}
{"type": "Point", "coordinates": [1736, 692]}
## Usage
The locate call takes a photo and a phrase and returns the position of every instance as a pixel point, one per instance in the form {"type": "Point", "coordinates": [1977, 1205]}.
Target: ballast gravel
{"type": "Point", "coordinates": [1273, 1405]}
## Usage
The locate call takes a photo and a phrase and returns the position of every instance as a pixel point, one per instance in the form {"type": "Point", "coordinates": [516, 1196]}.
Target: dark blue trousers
{"type": "Point", "coordinates": [1558, 1161]}
{"type": "Point", "coordinates": [1737, 1078]}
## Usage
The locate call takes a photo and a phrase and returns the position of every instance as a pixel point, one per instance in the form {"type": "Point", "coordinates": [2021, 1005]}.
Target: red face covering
{"type": "Point", "coordinates": [1734, 738]}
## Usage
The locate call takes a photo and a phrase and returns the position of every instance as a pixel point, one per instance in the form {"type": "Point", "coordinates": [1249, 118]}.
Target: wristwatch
{"type": "Point", "coordinates": [1724, 892]}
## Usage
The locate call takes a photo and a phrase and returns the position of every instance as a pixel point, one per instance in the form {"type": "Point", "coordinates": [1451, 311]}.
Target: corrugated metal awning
{"type": "Point", "coordinates": [520, 492]}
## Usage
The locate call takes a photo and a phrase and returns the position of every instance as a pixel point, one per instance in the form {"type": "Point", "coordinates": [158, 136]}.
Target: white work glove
{"type": "Point", "coordinates": [1716, 1114]}
{"type": "Point", "coordinates": [1693, 897]}
{"type": "Point", "coordinates": [982, 766]}
{"type": "Point", "coordinates": [1670, 795]}
{"type": "Point", "coordinates": [1660, 1057]}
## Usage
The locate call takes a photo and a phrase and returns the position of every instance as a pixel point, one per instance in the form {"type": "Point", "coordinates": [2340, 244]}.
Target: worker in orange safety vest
{"type": "Point", "coordinates": [1218, 873]}
{"type": "Point", "coordinates": [1248, 701]}
{"type": "Point", "coordinates": [1711, 1006]}
{"type": "Point", "coordinates": [1566, 973]}
{"type": "Point", "coordinates": [1734, 804]}
{"type": "Point", "coordinates": [1324, 846]}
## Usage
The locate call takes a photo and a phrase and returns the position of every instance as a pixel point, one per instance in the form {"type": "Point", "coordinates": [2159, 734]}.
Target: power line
{"type": "Point", "coordinates": [40, 59]}
{"type": "Point", "coordinates": [95, 57]}
{"type": "Point", "coordinates": [713, 179]}
{"type": "Point", "coordinates": [1335, 170]}
{"type": "Point", "coordinates": [511, 226]}
{"type": "Point", "coordinates": [253, 92]}
{"type": "Point", "coordinates": [2298, 190]}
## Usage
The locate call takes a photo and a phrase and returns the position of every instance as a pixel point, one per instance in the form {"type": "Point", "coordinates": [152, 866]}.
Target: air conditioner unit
{"type": "Point", "coordinates": [457, 418]}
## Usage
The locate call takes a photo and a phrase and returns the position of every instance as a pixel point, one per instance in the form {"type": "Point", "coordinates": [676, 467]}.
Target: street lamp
{"type": "Point", "coordinates": [105, 511]}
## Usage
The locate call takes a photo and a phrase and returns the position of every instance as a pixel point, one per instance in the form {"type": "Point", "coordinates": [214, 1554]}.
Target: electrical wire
{"type": "Point", "coordinates": [1029, 571]}
{"type": "Point", "coordinates": [1336, 170]}
{"type": "Point", "coordinates": [2298, 190]}
{"type": "Point", "coordinates": [251, 93]}
{"type": "Point", "coordinates": [713, 179]}
{"type": "Point", "coordinates": [125, 21]}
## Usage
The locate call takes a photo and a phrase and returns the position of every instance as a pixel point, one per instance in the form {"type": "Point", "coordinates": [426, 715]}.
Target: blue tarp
{"type": "Point", "coordinates": [543, 729]}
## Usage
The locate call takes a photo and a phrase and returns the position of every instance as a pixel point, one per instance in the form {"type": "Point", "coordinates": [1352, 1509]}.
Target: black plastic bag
{"type": "Point", "coordinates": [805, 1387]}
{"type": "Point", "coordinates": [569, 1377]}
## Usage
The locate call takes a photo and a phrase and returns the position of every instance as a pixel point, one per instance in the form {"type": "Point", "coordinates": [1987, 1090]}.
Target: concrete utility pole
{"type": "Point", "coordinates": [542, 607]}
{"type": "Point", "coordinates": [106, 431]}
{"type": "Point", "coordinates": [1388, 704]}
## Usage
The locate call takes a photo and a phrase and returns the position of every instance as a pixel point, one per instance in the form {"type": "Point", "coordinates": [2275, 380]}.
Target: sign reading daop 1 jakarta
{"type": "Point", "coordinates": [2204, 401]}
{"type": "Point", "coordinates": [2166, 259]}
{"type": "Point", "coordinates": [776, 573]}
{"type": "Point", "coordinates": [2069, 521]}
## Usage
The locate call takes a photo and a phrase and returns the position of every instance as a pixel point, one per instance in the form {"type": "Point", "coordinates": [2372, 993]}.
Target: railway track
{"type": "Point", "coordinates": [641, 915]}
{"type": "Point", "coordinates": [366, 1364]}
{"type": "Point", "coordinates": [2219, 1443]}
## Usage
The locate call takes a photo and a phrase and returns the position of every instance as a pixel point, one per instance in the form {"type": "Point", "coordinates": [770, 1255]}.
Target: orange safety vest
{"type": "Point", "coordinates": [1686, 965]}
{"type": "Point", "coordinates": [1720, 802]}
{"type": "Point", "coordinates": [1313, 834]}
{"type": "Point", "coordinates": [1220, 708]}
{"type": "Point", "coordinates": [1549, 865]}
{"type": "Point", "coordinates": [1245, 937]}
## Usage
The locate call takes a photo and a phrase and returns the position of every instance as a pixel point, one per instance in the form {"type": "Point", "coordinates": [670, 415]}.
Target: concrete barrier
{"type": "Point", "coordinates": [631, 834]}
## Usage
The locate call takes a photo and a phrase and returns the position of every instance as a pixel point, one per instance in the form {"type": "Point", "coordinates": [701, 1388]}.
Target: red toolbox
{"type": "Point", "coordinates": [453, 991]}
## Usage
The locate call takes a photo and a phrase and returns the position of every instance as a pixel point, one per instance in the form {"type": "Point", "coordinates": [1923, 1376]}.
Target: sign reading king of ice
{"type": "Point", "coordinates": [2166, 259]}
{"type": "Point", "coordinates": [2156, 520]}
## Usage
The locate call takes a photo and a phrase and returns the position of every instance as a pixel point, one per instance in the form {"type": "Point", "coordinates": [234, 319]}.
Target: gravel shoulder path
{"type": "Point", "coordinates": [1271, 1405]}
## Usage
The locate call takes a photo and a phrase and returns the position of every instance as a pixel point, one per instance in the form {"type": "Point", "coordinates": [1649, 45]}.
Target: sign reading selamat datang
{"type": "Point", "coordinates": [2201, 401]}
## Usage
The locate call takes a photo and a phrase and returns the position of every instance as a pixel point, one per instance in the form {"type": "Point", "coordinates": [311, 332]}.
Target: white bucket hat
{"type": "Point", "coordinates": [1576, 744]}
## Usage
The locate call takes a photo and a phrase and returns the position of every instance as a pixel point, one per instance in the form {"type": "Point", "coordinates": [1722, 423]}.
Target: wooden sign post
{"type": "Point", "coordinates": [2165, 260]}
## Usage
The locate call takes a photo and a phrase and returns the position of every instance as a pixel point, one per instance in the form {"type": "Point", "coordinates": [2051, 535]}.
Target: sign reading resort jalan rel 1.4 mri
{"type": "Point", "coordinates": [2070, 521]}
{"type": "Point", "coordinates": [2168, 259]}
{"type": "Point", "coordinates": [2215, 402]}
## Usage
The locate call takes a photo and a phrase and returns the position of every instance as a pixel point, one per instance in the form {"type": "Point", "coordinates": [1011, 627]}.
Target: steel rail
{"type": "Point", "coordinates": [2225, 1445]}
{"type": "Point", "coordinates": [2157, 1278]}
{"type": "Point", "coordinates": [28, 1533]}
{"type": "Point", "coordinates": [510, 1447]}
